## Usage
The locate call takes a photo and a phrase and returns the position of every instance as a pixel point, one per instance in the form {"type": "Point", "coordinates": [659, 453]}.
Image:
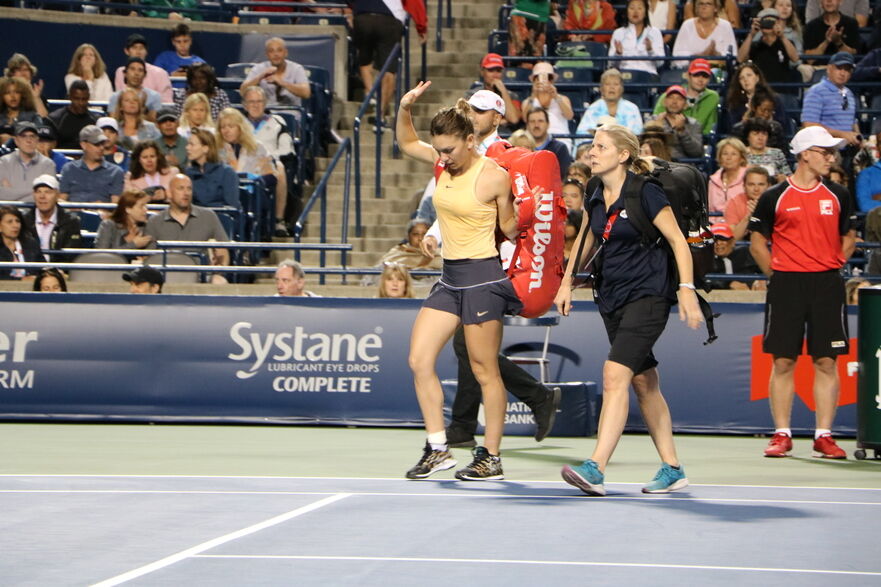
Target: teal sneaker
{"type": "Point", "coordinates": [586, 477]}
{"type": "Point", "coordinates": [668, 479]}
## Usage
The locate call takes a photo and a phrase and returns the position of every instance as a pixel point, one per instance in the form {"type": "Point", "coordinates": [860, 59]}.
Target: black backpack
{"type": "Point", "coordinates": [686, 189]}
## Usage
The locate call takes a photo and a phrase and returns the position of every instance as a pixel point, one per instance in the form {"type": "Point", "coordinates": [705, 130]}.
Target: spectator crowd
{"type": "Point", "coordinates": [722, 85]}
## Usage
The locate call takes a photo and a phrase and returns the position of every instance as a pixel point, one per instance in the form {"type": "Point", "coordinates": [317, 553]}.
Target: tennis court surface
{"type": "Point", "coordinates": [160, 505]}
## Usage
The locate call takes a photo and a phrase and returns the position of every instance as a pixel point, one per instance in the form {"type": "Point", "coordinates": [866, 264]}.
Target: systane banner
{"type": "Point", "coordinates": [337, 361]}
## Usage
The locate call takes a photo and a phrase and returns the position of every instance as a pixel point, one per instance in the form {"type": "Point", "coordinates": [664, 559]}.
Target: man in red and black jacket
{"type": "Point", "coordinates": [809, 223]}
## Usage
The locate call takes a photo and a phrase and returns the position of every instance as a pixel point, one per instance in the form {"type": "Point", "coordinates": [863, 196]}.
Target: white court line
{"type": "Point", "coordinates": [199, 548]}
{"type": "Point", "coordinates": [482, 495]}
{"type": "Point", "coordinates": [295, 478]}
{"type": "Point", "coordinates": [549, 563]}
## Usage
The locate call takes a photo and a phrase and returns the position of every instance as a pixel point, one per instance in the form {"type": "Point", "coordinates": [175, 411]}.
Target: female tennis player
{"type": "Point", "coordinates": [472, 197]}
{"type": "Point", "coordinates": [634, 290]}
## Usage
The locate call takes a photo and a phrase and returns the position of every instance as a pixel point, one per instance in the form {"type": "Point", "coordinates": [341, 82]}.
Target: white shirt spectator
{"type": "Point", "coordinates": [658, 17]}
{"type": "Point", "coordinates": [294, 73]}
{"type": "Point", "coordinates": [689, 42]}
{"type": "Point", "coordinates": [633, 45]}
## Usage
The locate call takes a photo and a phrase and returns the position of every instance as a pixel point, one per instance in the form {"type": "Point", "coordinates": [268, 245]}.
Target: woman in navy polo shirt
{"type": "Point", "coordinates": [634, 290]}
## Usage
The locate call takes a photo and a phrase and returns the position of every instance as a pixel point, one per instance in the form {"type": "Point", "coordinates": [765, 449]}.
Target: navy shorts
{"type": "Point", "coordinates": [633, 330]}
{"type": "Point", "coordinates": [475, 290]}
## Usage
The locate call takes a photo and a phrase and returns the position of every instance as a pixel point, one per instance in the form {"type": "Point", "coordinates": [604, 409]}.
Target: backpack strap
{"type": "Point", "coordinates": [585, 226]}
{"type": "Point", "coordinates": [632, 191]}
{"type": "Point", "coordinates": [709, 316]}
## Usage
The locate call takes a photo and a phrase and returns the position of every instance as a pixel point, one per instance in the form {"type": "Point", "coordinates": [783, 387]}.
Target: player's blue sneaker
{"type": "Point", "coordinates": [586, 477]}
{"type": "Point", "coordinates": [668, 479]}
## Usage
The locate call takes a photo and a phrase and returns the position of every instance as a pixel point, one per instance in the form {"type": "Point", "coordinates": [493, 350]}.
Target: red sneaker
{"type": "Point", "coordinates": [825, 448]}
{"type": "Point", "coordinates": [780, 446]}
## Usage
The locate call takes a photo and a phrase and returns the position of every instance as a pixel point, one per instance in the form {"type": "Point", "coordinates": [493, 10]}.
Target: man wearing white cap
{"type": "Point", "coordinates": [810, 226]}
{"type": "Point", "coordinates": [489, 112]}
{"type": "Point", "coordinates": [54, 227]}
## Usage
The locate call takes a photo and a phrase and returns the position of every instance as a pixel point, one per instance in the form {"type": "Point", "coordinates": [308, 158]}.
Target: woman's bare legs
{"type": "Point", "coordinates": [483, 341]}
{"type": "Point", "coordinates": [656, 414]}
{"type": "Point", "coordinates": [431, 331]}
{"type": "Point", "coordinates": [613, 415]}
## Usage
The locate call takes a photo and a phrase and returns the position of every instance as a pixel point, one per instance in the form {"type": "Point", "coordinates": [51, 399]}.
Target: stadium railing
{"type": "Point", "coordinates": [320, 196]}
{"type": "Point", "coordinates": [167, 247]}
{"type": "Point", "coordinates": [374, 93]}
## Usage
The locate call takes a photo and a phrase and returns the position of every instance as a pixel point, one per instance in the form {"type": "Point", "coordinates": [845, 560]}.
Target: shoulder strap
{"type": "Point", "coordinates": [585, 226]}
{"type": "Point", "coordinates": [636, 214]}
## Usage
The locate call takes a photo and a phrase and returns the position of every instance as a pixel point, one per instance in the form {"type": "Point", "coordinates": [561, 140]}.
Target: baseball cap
{"type": "Point", "coordinates": [46, 133]}
{"type": "Point", "coordinates": [166, 114]}
{"type": "Point", "coordinates": [543, 67]}
{"type": "Point", "coordinates": [144, 274]}
{"type": "Point", "coordinates": [135, 39]}
{"type": "Point", "coordinates": [813, 136]}
{"type": "Point", "coordinates": [106, 121]}
{"type": "Point", "coordinates": [487, 100]}
{"type": "Point", "coordinates": [842, 58]}
{"type": "Point", "coordinates": [25, 126]}
{"type": "Point", "coordinates": [676, 90]}
{"type": "Point", "coordinates": [47, 180]}
{"type": "Point", "coordinates": [492, 60]}
{"type": "Point", "coordinates": [722, 230]}
{"type": "Point", "coordinates": [92, 134]}
{"type": "Point", "coordinates": [700, 66]}
{"type": "Point", "coordinates": [768, 12]}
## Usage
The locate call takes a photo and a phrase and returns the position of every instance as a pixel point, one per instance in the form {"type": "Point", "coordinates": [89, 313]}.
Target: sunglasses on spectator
{"type": "Point", "coordinates": [828, 153]}
{"type": "Point", "coordinates": [495, 69]}
{"type": "Point", "coordinates": [844, 100]}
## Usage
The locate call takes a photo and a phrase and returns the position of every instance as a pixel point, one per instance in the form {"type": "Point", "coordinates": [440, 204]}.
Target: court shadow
{"type": "Point", "coordinates": [850, 464]}
{"type": "Point", "coordinates": [541, 454]}
{"type": "Point", "coordinates": [683, 503]}
{"type": "Point", "coordinates": [512, 490]}
{"type": "Point", "coordinates": [735, 513]}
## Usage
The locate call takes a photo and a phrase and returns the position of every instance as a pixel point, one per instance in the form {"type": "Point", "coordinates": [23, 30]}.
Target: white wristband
{"type": "Point", "coordinates": [688, 285]}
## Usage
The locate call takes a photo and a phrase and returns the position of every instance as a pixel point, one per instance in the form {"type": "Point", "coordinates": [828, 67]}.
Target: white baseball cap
{"type": "Point", "coordinates": [813, 136]}
{"type": "Point", "coordinates": [107, 122]}
{"type": "Point", "coordinates": [487, 100]}
{"type": "Point", "coordinates": [47, 180]}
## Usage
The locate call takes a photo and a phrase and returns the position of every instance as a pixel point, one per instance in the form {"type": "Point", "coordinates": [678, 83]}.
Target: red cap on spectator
{"type": "Point", "coordinates": [700, 66]}
{"type": "Point", "coordinates": [722, 230]}
{"type": "Point", "coordinates": [677, 90]}
{"type": "Point", "coordinates": [492, 60]}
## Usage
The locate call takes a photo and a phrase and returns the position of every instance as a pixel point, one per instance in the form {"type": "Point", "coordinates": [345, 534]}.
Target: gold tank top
{"type": "Point", "coordinates": [467, 225]}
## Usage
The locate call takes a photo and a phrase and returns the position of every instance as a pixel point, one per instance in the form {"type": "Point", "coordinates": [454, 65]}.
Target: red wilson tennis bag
{"type": "Point", "coordinates": [536, 267]}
